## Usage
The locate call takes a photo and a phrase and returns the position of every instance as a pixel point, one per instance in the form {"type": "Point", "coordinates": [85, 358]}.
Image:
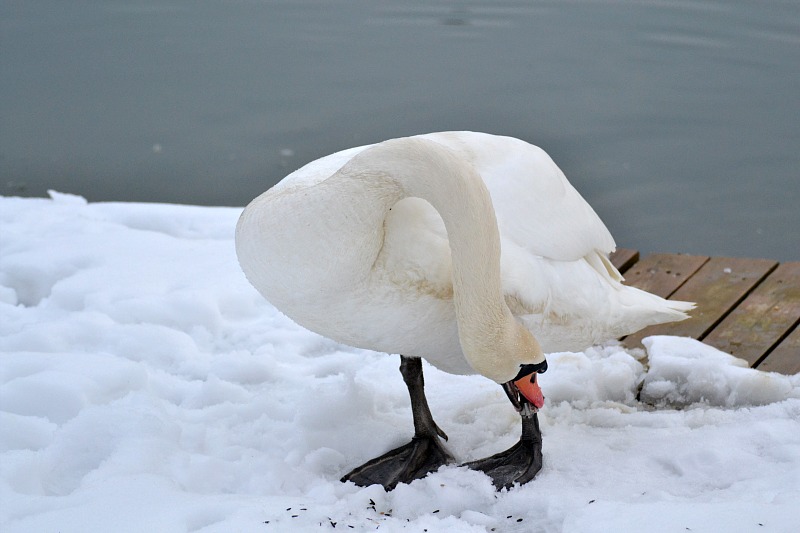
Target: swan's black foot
{"type": "Point", "coordinates": [424, 454]}
{"type": "Point", "coordinates": [518, 464]}
{"type": "Point", "coordinates": [402, 465]}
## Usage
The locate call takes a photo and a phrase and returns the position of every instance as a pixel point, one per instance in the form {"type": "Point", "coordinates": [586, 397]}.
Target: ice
{"type": "Point", "coordinates": [145, 386]}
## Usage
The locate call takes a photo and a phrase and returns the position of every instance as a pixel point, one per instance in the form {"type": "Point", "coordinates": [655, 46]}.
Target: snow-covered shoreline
{"type": "Point", "coordinates": [145, 386]}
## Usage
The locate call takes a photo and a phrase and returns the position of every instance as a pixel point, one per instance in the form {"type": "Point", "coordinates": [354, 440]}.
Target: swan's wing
{"type": "Point", "coordinates": [556, 272]}
{"type": "Point", "coordinates": [539, 213]}
{"type": "Point", "coordinates": [555, 269]}
{"type": "Point", "coordinates": [537, 208]}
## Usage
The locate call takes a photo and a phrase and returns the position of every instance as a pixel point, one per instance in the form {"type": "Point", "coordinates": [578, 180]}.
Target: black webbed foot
{"type": "Point", "coordinates": [518, 464]}
{"type": "Point", "coordinates": [402, 465]}
{"type": "Point", "coordinates": [424, 454]}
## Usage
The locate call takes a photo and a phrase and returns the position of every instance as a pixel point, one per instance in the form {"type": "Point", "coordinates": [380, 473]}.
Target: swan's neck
{"type": "Point", "coordinates": [425, 169]}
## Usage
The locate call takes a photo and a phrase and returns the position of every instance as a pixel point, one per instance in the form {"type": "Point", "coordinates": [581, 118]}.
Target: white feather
{"type": "Point", "coordinates": [347, 253]}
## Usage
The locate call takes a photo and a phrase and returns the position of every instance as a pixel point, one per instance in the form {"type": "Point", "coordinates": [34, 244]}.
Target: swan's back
{"type": "Point", "coordinates": [396, 296]}
{"type": "Point", "coordinates": [536, 207]}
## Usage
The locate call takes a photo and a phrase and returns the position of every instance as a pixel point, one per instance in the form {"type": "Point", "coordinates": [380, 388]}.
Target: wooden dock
{"type": "Point", "coordinates": [749, 308]}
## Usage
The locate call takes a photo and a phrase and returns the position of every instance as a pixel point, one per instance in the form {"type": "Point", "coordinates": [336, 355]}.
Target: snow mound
{"type": "Point", "coordinates": [145, 386]}
{"type": "Point", "coordinates": [684, 371]}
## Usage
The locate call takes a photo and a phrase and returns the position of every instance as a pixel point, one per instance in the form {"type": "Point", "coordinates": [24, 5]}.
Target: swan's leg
{"type": "Point", "coordinates": [416, 459]}
{"type": "Point", "coordinates": [521, 462]}
{"type": "Point", "coordinates": [424, 426]}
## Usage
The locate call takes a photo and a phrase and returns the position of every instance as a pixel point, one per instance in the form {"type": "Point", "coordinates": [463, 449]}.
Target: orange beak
{"type": "Point", "coordinates": [529, 388]}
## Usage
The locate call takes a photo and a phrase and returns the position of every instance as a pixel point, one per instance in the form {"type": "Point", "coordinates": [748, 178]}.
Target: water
{"type": "Point", "coordinates": [679, 121]}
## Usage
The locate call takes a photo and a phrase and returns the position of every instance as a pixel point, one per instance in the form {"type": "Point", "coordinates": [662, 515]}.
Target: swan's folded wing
{"type": "Point", "coordinates": [536, 207]}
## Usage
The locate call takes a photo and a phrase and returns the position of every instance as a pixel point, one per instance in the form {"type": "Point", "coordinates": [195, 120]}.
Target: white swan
{"type": "Point", "coordinates": [470, 250]}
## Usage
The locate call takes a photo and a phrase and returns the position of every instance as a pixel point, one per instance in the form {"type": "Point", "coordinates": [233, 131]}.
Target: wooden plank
{"type": "Point", "coordinates": [720, 284]}
{"type": "Point", "coordinates": [763, 318]}
{"type": "Point", "coordinates": [623, 258]}
{"type": "Point", "coordinates": [786, 357]}
{"type": "Point", "coordinates": [663, 274]}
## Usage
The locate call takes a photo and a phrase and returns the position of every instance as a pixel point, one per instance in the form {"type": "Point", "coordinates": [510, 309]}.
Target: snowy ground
{"type": "Point", "coordinates": [145, 386]}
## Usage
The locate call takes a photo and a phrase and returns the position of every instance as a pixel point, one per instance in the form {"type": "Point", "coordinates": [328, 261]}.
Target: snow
{"type": "Point", "coordinates": [145, 386]}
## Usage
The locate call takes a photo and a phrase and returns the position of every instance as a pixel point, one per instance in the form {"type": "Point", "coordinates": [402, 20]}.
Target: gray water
{"type": "Point", "coordinates": [679, 121]}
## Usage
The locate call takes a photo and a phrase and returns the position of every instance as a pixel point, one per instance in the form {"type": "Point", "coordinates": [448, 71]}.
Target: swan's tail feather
{"type": "Point", "coordinates": [643, 308]}
{"type": "Point", "coordinates": [681, 307]}
{"type": "Point", "coordinates": [652, 309]}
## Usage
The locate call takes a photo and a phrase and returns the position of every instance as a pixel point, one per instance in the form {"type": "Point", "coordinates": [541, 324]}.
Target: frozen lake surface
{"type": "Point", "coordinates": [678, 121]}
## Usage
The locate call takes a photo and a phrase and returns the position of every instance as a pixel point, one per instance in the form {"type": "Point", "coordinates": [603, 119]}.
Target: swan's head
{"type": "Point", "coordinates": [525, 348]}
{"type": "Point", "coordinates": [512, 358]}
{"type": "Point", "coordinates": [502, 355]}
{"type": "Point", "coordinates": [531, 361]}
{"type": "Point", "coordinates": [524, 383]}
